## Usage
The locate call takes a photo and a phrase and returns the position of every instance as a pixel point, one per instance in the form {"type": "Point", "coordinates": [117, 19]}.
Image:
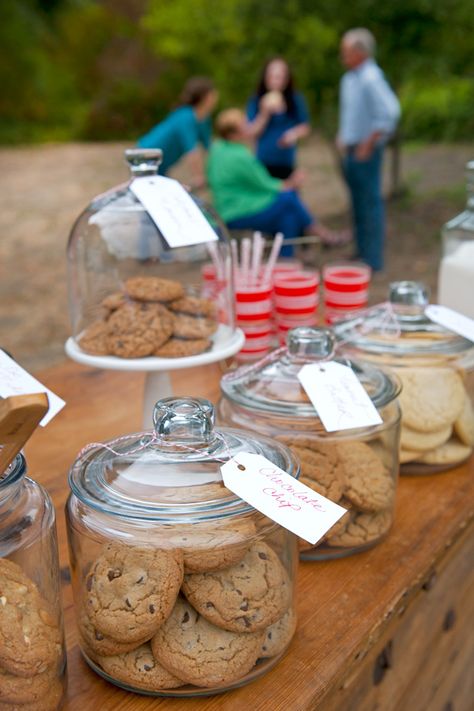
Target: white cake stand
{"type": "Point", "coordinates": [226, 343]}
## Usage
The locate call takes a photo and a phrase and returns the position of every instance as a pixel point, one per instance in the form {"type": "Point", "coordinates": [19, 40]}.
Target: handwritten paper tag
{"type": "Point", "coordinates": [14, 380]}
{"type": "Point", "coordinates": [279, 496]}
{"type": "Point", "coordinates": [173, 210]}
{"type": "Point", "coordinates": [338, 396]}
{"type": "Point", "coordinates": [452, 320]}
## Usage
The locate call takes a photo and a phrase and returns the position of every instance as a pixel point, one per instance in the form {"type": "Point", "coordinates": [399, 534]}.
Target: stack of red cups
{"type": "Point", "coordinates": [253, 310]}
{"type": "Point", "coordinates": [296, 300]}
{"type": "Point", "coordinates": [346, 289]}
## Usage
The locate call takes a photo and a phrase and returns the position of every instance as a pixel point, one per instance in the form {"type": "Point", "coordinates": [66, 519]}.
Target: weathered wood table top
{"type": "Point", "coordinates": [345, 606]}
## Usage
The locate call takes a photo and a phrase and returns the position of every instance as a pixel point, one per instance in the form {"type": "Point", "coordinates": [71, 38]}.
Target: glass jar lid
{"type": "Point", "coordinates": [172, 473]}
{"type": "Point", "coordinates": [400, 326]}
{"type": "Point", "coordinates": [271, 385]}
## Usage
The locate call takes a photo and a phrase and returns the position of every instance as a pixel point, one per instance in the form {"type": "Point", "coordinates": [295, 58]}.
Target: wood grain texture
{"type": "Point", "coordinates": [346, 607]}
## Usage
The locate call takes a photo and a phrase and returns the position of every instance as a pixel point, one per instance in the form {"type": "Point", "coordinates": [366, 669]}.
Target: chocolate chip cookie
{"type": "Point", "coordinates": [30, 641]}
{"type": "Point", "coordinates": [137, 330]}
{"type": "Point", "coordinates": [278, 635]}
{"type": "Point", "coordinates": [202, 654]}
{"type": "Point", "coordinates": [131, 590]}
{"type": "Point", "coordinates": [139, 668]}
{"type": "Point", "coordinates": [153, 289]}
{"type": "Point", "coordinates": [193, 327]}
{"type": "Point", "coordinates": [180, 347]}
{"type": "Point", "coordinates": [246, 597]}
{"type": "Point", "coordinates": [97, 642]}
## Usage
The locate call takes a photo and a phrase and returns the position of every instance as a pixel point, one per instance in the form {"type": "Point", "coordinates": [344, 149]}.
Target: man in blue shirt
{"type": "Point", "coordinates": [368, 115]}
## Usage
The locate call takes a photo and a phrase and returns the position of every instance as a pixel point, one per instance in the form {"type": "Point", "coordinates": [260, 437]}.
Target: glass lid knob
{"type": "Point", "coordinates": [409, 293]}
{"type": "Point", "coordinates": [184, 419]}
{"type": "Point", "coordinates": [306, 343]}
{"type": "Point", "coordinates": [143, 161]}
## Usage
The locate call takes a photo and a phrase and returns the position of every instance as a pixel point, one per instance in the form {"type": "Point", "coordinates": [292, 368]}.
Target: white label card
{"type": "Point", "coordinates": [173, 210]}
{"type": "Point", "coordinates": [279, 496]}
{"type": "Point", "coordinates": [338, 396]}
{"type": "Point", "coordinates": [14, 380]}
{"type": "Point", "coordinates": [452, 320]}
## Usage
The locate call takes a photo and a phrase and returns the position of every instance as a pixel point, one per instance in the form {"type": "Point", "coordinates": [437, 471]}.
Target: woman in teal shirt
{"type": "Point", "coordinates": [246, 196]}
{"type": "Point", "coordinates": [181, 132]}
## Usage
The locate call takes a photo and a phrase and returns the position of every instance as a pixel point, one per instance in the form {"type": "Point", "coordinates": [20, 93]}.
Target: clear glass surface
{"type": "Point", "coordinates": [33, 669]}
{"type": "Point", "coordinates": [160, 494]}
{"type": "Point", "coordinates": [113, 243]}
{"type": "Point", "coordinates": [269, 398]}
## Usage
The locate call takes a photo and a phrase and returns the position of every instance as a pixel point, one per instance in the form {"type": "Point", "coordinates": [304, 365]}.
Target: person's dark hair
{"type": "Point", "coordinates": [288, 92]}
{"type": "Point", "coordinates": [195, 90]}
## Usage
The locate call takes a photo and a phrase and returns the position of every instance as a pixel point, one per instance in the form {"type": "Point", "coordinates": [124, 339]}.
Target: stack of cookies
{"type": "Point", "coordinates": [437, 417]}
{"type": "Point", "coordinates": [157, 619]}
{"type": "Point", "coordinates": [31, 645]}
{"type": "Point", "coordinates": [352, 474]}
{"type": "Point", "coordinates": [151, 317]}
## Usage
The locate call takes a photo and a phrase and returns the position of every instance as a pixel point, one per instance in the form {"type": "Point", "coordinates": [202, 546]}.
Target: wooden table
{"type": "Point", "coordinates": [388, 629]}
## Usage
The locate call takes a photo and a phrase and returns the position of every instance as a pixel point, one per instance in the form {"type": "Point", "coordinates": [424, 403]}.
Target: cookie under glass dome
{"type": "Point", "coordinates": [131, 296]}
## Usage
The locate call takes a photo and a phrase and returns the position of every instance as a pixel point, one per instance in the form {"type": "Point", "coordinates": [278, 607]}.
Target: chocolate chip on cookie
{"type": "Point", "coordinates": [153, 289]}
{"type": "Point", "coordinates": [202, 654]}
{"type": "Point", "coordinates": [245, 597]}
{"type": "Point", "coordinates": [131, 590]}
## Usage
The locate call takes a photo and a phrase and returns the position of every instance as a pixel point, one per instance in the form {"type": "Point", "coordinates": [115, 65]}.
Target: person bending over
{"type": "Point", "coordinates": [247, 197]}
{"type": "Point", "coordinates": [181, 132]}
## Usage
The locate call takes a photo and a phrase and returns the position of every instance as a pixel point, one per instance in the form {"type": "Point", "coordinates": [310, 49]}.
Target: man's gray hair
{"type": "Point", "coordinates": [361, 38]}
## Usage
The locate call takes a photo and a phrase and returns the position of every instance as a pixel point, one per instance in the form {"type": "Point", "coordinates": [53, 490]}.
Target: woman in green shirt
{"type": "Point", "coordinates": [247, 197]}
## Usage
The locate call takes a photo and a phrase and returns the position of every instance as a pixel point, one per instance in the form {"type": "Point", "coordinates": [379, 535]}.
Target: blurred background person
{"type": "Point", "coordinates": [368, 115]}
{"type": "Point", "coordinates": [246, 196]}
{"type": "Point", "coordinates": [278, 117]}
{"type": "Point", "coordinates": [186, 130]}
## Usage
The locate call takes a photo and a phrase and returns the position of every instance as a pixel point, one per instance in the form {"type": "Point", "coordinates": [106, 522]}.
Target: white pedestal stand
{"type": "Point", "coordinates": [226, 343]}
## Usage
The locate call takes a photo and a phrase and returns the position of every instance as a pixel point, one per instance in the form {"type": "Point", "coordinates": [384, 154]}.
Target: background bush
{"type": "Point", "coordinates": [109, 69]}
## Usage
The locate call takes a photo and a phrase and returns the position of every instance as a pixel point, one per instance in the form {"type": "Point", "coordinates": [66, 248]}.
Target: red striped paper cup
{"type": "Point", "coordinates": [346, 278]}
{"type": "Point", "coordinates": [296, 284]}
{"type": "Point", "coordinates": [253, 303]}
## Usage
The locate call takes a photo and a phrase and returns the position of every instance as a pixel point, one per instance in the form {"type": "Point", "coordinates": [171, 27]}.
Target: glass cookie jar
{"type": "Point", "coordinates": [131, 296]}
{"type": "Point", "coordinates": [356, 468]}
{"type": "Point", "coordinates": [436, 368]}
{"type": "Point", "coordinates": [180, 587]}
{"type": "Point", "coordinates": [32, 651]}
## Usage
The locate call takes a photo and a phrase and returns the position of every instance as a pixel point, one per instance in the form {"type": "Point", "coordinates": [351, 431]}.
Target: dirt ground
{"type": "Point", "coordinates": [44, 188]}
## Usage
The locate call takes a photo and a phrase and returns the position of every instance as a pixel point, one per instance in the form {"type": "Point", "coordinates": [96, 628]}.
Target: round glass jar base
{"type": "Point", "coordinates": [420, 469]}
{"type": "Point", "coordinates": [323, 552]}
{"type": "Point", "coordinates": [187, 690]}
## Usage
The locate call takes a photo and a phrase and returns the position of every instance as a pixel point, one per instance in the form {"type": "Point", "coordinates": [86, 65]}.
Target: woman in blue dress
{"type": "Point", "coordinates": [277, 117]}
{"type": "Point", "coordinates": [182, 132]}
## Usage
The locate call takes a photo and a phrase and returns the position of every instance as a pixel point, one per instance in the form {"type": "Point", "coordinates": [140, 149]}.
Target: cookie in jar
{"type": "Point", "coordinates": [180, 587]}
{"type": "Point", "coordinates": [436, 368]}
{"type": "Point", "coordinates": [356, 468]}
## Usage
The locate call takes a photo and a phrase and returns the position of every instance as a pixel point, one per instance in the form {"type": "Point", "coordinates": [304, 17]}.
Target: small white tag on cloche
{"type": "Point", "coordinates": [279, 496]}
{"type": "Point", "coordinates": [173, 210]}
{"type": "Point", "coordinates": [452, 320]}
{"type": "Point", "coordinates": [338, 396]}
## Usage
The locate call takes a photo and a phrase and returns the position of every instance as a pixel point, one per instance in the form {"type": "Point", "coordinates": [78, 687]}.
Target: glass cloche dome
{"type": "Point", "coordinates": [131, 295]}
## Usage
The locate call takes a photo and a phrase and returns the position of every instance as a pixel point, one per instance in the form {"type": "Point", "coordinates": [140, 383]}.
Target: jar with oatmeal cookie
{"type": "Point", "coordinates": [436, 368]}
{"type": "Point", "coordinates": [356, 468]}
{"type": "Point", "coordinates": [32, 650]}
{"type": "Point", "coordinates": [132, 296]}
{"type": "Point", "coordinates": [181, 588]}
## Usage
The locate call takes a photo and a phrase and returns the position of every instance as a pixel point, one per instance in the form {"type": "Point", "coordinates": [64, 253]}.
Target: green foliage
{"type": "Point", "coordinates": [438, 111]}
{"type": "Point", "coordinates": [104, 69]}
